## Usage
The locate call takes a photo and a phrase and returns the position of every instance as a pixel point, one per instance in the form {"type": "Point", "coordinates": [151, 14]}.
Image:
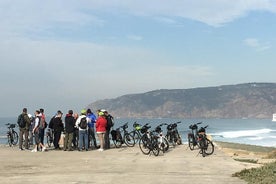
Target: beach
{"type": "Point", "coordinates": [124, 165]}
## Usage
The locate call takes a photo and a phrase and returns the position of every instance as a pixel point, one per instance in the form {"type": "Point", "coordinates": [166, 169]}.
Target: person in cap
{"type": "Point", "coordinates": [109, 125]}
{"type": "Point", "coordinates": [82, 124]}
{"type": "Point", "coordinates": [101, 129]}
{"type": "Point", "coordinates": [69, 131]}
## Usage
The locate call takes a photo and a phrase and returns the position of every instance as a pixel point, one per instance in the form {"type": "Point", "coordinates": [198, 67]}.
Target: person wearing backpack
{"type": "Point", "coordinates": [23, 122]}
{"type": "Point", "coordinates": [109, 125]}
{"type": "Point", "coordinates": [82, 125]}
{"type": "Point", "coordinates": [42, 125]}
{"type": "Point", "coordinates": [36, 133]}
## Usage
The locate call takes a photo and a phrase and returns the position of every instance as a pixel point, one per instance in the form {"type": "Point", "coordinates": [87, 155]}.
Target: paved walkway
{"type": "Point", "coordinates": [123, 166]}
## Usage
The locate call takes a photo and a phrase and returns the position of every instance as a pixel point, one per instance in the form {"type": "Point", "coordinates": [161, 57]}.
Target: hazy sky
{"type": "Point", "coordinates": [66, 54]}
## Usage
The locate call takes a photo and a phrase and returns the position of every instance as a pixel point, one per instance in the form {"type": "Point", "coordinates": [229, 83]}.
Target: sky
{"type": "Point", "coordinates": [65, 54]}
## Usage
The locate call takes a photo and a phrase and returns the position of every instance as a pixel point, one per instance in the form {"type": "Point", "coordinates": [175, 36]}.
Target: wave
{"type": "Point", "coordinates": [242, 133]}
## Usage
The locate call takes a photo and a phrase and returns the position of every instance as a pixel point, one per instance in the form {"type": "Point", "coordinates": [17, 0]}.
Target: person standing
{"type": "Point", "coordinates": [82, 124]}
{"type": "Point", "coordinates": [42, 125]}
{"type": "Point", "coordinates": [69, 131]}
{"type": "Point", "coordinates": [109, 125]}
{"type": "Point", "coordinates": [76, 132]}
{"type": "Point", "coordinates": [91, 128]}
{"type": "Point", "coordinates": [36, 133]}
{"type": "Point", "coordinates": [58, 128]}
{"type": "Point", "coordinates": [24, 123]}
{"type": "Point", "coordinates": [101, 129]}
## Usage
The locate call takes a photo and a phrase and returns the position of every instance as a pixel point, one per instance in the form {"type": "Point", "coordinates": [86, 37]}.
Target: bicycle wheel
{"type": "Point", "coordinates": [15, 138]}
{"type": "Point", "coordinates": [191, 141]}
{"type": "Point", "coordinates": [154, 147]}
{"type": "Point", "coordinates": [163, 144]}
{"type": "Point", "coordinates": [144, 144]}
{"type": "Point", "coordinates": [209, 147]}
{"type": "Point", "coordinates": [9, 140]}
{"type": "Point", "coordinates": [129, 140]}
{"type": "Point", "coordinates": [178, 139]}
{"type": "Point", "coordinates": [49, 140]}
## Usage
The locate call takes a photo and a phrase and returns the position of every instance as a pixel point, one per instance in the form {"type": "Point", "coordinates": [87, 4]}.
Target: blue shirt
{"type": "Point", "coordinates": [92, 121]}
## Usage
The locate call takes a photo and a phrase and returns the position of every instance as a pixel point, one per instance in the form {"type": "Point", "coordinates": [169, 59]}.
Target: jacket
{"type": "Point", "coordinates": [69, 123]}
{"type": "Point", "coordinates": [57, 124]}
{"type": "Point", "coordinates": [101, 124]}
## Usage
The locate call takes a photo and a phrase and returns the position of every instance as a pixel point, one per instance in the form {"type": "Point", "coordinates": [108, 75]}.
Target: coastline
{"type": "Point", "coordinates": [126, 165]}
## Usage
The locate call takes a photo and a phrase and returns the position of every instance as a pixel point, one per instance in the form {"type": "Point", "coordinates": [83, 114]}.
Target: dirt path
{"type": "Point", "coordinates": [124, 166]}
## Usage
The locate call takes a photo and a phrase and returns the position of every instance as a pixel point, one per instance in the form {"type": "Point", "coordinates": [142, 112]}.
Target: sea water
{"type": "Point", "coordinates": [247, 131]}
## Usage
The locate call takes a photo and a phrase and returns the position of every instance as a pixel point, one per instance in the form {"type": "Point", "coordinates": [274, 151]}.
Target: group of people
{"type": "Point", "coordinates": [78, 129]}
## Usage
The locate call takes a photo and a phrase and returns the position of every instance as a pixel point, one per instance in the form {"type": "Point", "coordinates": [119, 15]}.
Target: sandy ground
{"type": "Point", "coordinates": [123, 165]}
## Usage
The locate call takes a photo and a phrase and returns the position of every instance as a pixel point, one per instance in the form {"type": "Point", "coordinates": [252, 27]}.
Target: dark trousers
{"type": "Point", "coordinates": [57, 135]}
{"type": "Point", "coordinates": [41, 135]}
{"type": "Point", "coordinates": [24, 132]}
{"type": "Point", "coordinates": [107, 140]}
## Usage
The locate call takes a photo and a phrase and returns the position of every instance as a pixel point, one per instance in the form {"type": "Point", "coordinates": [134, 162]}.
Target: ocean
{"type": "Point", "coordinates": [260, 132]}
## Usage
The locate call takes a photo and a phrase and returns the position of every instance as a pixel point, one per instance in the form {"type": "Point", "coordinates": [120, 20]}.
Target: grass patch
{"type": "Point", "coordinates": [262, 175]}
{"type": "Point", "coordinates": [247, 160]}
{"type": "Point", "coordinates": [246, 147]}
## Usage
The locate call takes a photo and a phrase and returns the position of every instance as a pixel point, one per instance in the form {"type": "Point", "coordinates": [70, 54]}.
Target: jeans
{"type": "Point", "coordinates": [83, 139]}
{"type": "Point", "coordinates": [107, 140]}
{"type": "Point", "coordinates": [91, 137]}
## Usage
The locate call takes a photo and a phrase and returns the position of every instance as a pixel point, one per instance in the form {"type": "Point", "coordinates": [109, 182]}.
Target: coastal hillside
{"type": "Point", "coordinates": [251, 100]}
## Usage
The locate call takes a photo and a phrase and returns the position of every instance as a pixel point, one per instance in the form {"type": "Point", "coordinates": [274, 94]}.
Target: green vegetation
{"type": "Point", "coordinates": [261, 175]}
{"type": "Point", "coordinates": [247, 160]}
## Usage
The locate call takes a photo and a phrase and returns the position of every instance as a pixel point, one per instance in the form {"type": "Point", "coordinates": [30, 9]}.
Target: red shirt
{"type": "Point", "coordinates": [101, 124]}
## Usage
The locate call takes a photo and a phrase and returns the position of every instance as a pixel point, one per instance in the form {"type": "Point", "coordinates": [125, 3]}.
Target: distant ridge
{"type": "Point", "coordinates": [250, 100]}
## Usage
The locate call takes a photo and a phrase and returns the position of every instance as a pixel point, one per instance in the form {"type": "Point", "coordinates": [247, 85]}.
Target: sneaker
{"type": "Point", "coordinates": [43, 149]}
{"type": "Point", "coordinates": [34, 150]}
{"type": "Point", "coordinates": [100, 149]}
{"type": "Point", "coordinates": [21, 149]}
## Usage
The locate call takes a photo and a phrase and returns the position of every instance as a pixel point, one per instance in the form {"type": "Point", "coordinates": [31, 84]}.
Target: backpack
{"type": "Point", "coordinates": [42, 123]}
{"type": "Point", "coordinates": [110, 122]}
{"type": "Point", "coordinates": [83, 123]}
{"type": "Point", "coordinates": [21, 121]}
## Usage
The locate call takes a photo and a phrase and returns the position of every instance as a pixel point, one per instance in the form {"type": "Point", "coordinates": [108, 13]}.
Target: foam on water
{"type": "Point", "coordinates": [242, 133]}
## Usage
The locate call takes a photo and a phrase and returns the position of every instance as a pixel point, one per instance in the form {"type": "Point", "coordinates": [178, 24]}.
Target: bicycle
{"type": "Point", "coordinates": [163, 143]}
{"type": "Point", "coordinates": [119, 139]}
{"type": "Point", "coordinates": [198, 138]}
{"type": "Point", "coordinates": [149, 141]}
{"type": "Point", "coordinates": [136, 132]}
{"type": "Point", "coordinates": [50, 137]}
{"type": "Point", "coordinates": [193, 136]}
{"type": "Point", "coordinates": [12, 135]}
{"type": "Point", "coordinates": [205, 145]}
{"type": "Point", "coordinates": [173, 135]}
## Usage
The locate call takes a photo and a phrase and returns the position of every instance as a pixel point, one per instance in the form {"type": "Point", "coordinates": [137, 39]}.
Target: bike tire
{"type": "Point", "coordinates": [49, 141]}
{"type": "Point", "coordinates": [15, 138]}
{"type": "Point", "coordinates": [155, 148]}
{"type": "Point", "coordinates": [117, 143]}
{"type": "Point", "coordinates": [209, 147]}
{"type": "Point", "coordinates": [144, 143]}
{"type": "Point", "coordinates": [179, 139]}
{"type": "Point", "coordinates": [129, 140]}
{"type": "Point", "coordinates": [9, 140]}
{"type": "Point", "coordinates": [191, 141]}
{"type": "Point", "coordinates": [164, 145]}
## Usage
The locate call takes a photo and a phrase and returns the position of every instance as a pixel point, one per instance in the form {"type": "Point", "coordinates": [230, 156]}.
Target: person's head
{"type": "Point", "coordinates": [76, 115]}
{"type": "Point", "coordinates": [70, 112]}
{"type": "Point", "coordinates": [101, 113]}
{"type": "Point", "coordinates": [83, 112]}
{"type": "Point", "coordinates": [59, 113]}
{"type": "Point", "coordinates": [88, 111]}
{"type": "Point", "coordinates": [25, 110]}
{"type": "Point", "coordinates": [37, 112]}
{"type": "Point", "coordinates": [41, 110]}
